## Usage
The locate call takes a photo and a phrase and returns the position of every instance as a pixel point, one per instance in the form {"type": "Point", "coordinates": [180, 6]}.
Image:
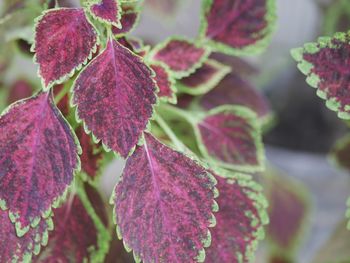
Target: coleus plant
{"type": "Point", "coordinates": [174, 202]}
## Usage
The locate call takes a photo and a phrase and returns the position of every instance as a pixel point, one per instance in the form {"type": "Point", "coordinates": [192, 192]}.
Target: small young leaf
{"type": "Point", "coordinates": [163, 205]}
{"type": "Point", "coordinates": [115, 95]}
{"type": "Point", "coordinates": [64, 41]}
{"type": "Point", "coordinates": [341, 152]}
{"type": "Point", "coordinates": [20, 249]}
{"type": "Point", "coordinates": [128, 22]}
{"type": "Point", "coordinates": [230, 136]}
{"type": "Point", "coordinates": [91, 156]}
{"type": "Point", "coordinates": [326, 65]}
{"type": "Point", "coordinates": [107, 11]}
{"type": "Point", "coordinates": [165, 82]}
{"type": "Point", "coordinates": [238, 27]}
{"type": "Point", "coordinates": [182, 56]}
{"type": "Point", "coordinates": [240, 220]}
{"type": "Point", "coordinates": [75, 238]}
{"type": "Point", "coordinates": [234, 90]}
{"type": "Point", "coordinates": [204, 79]}
{"type": "Point", "coordinates": [38, 157]}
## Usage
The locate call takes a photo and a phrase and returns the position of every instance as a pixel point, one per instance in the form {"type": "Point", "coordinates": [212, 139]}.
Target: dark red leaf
{"type": "Point", "coordinates": [165, 82]}
{"type": "Point", "coordinates": [76, 236]}
{"type": "Point", "coordinates": [107, 11]}
{"type": "Point", "coordinates": [64, 41]}
{"type": "Point", "coordinates": [230, 136]}
{"type": "Point", "coordinates": [20, 89]}
{"type": "Point", "coordinates": [63, 103]}
{"type": "Point", "coordinates": [38, 157]}
{"type": "Point", "coordinates": [326, 64]}
{"type": "Point", "coordinates": [288, 208]}
{"type": "Point", "coordinates": [204, 79]}
{"type": "Point", "coordinates": [238, 27]}
{"type": "Point", "coordinates": [91, 156]}
{"type": "Point", "coordinates": [240, 220]}
{"type": "Point", "coordinates": [163, 205]}
{"type": "Point", "coordinates": [98, 203]}
{"type": "Point", "coordinates": [234, 90]}
{"type": "Point", "coordinates": [20, 249]}
{"type": "Point", "coordinates": [128, 22]}
{"type": "Point", "coordinates": [182, 56]}
{"type": "Point", "coordinates": [115, 95]}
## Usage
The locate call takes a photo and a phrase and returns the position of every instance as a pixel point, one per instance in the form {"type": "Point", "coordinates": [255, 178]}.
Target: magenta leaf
{"type": "Point", "coordinates": [106, 11]}
{"type": "Point", "coordinates": [77, 236]}
{"type": "Point", "coordinates": [238, 27]}
{"type": "Point", "coordinates": [163, 205]}
{"type": "Point", "coordinates": [288, 210]}
{"type": "Point", "coordinates": [192, 56]}
{"type": "Point", "coordinates": [64, 41]}
{"type": "Point", "coordinates": [204, 79]}
{"type": "Point", "coordinates": [38, 158]}
{"type": "Point", "coordinates": [115, 95]}
{"type": "Point", "coordinates": [326, 66]}
{"type": "Point", "coordinates": [340, 153]}
{"type": "Point", "coordinates": [240, 220]}
{"type": "Point", "coordinates": [230, 137]}
{"type": "Point", "coordinates": [165, 82]}
{"type": "Point", "coordinates": [91, 156]}
{"type": "Point", "coordinates": [129, 21]}
{"type": "Point", "coordinates": [21, 249]}
{"type": "Point", "coordinates": [235, 90]}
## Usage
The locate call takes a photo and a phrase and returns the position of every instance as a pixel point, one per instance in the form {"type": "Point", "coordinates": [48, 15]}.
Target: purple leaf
{"type": "Point", "coordinates": [240, 220]}
{"type": "Point", "coordinates": [204, 79]}
{"type": "Point", "coordinates": [238, 27]}
{"type": "Point", "coordinates": [234, 90]}
{"type": "Point", "coordinates": [115, 95]}
{"type": "Point", "coordinates": [288, 210]}
{"type": "Point", "coordinates": [230, 137]}
{"type": "Point", "coordinates": [106, 11]}
{"type": "Point", "coordinates": [20, 249]}
{"type": "Point", "coordinates": [64, 41]}
{"type": "Point", "coordinates": [165, 82]}
{"type": "Point", "coordinates": [76, 236]}
{"type": "Point", "coordinates": [20, 89]}
{"type": "Point", "coordinates": [163, 205]}
{"type": "Point", "coordinates": [340, 153]}
{"type": "Point", "coordinates": [326, 65]}
{"type": "Point", "coordinates": [182, 56]}
{"type": "Point", "coordinates": [128, 22]}
{"type": "Point", "coordinates": [38, 157]}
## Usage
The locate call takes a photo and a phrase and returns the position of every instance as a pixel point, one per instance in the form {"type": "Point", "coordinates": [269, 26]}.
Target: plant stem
{"type": "Point", "coordinates": [179, 112]}
{"type": "Point", "coordinates": [165, 127]}
{"type": "Point", "coordinates": [62, 92]}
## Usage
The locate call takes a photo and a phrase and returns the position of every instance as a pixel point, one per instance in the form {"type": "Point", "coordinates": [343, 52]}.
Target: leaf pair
{"type": "Point", "coordinates": [164, 205]}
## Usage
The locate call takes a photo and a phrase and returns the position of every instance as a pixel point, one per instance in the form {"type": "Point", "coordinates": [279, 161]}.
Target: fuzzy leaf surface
{"type": "Point", "coordinates": [20, 249]}
{"type": "Point", "coordinates": [38, 157]}
{"type": "Point", "coordinates": [326, 65]}
{"type": "Point", "coordinates": [182, 56]}
{"type": "Point", "coordinates": [238, 27]}
{"type": "Point", "coordinates": [115, 95]}
{"type": "Point", "coordinates": [230, 136]}
{"type": "Point", "coordinates": [107, 11]}
{"type": "Point", "coordinates": [163, 204]}
{"type": "Point", "coordinates": [204, 79]}
{"type": "Point", "coordinates": [75, 236]}
{"type": "Point", "coordinates": [237, 91]}
{"type": "Point", "coordinates": [165, 82]}
{"type": "Point", "coordinates": [64, 41]}
{"type": "Point", "coordinates": [240, 220]}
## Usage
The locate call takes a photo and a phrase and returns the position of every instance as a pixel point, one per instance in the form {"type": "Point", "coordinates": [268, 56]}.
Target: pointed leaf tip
{"type": "Point", "coordinates": [163, 204]}
{"type": "Point", "coordinates": [114, 96]}
{"type": "Point", "coordinates": [38, 157]}
{"type": "Point", "coordinates": [107, 11]}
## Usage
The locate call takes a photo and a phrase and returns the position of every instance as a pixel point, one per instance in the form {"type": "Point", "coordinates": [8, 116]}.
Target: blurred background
{"type": "Point", "coordinates": [297, 144]}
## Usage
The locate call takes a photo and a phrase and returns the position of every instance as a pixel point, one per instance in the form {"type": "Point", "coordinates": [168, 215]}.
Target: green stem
{"type": "Point", "coordinates": [168, 131]}
{"type": "Point", "coordinates": [62, 92]}
{"type": "Point", "coordinates": [179, 112]}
